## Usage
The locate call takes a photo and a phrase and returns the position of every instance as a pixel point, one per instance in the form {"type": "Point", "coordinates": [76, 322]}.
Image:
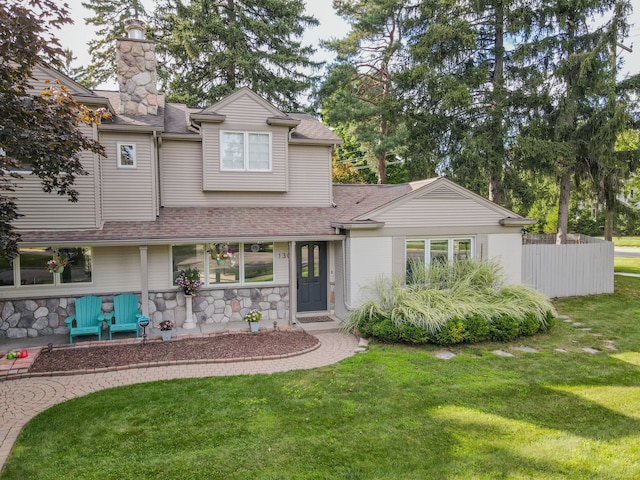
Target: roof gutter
{"type": "Point", "coordinates": [517, 222]}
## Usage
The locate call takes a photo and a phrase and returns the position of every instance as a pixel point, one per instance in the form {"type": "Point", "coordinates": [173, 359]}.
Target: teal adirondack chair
{"type": "Point", "coordinates": [88, 318]}
{"type": "Point", "coordinates": [124, 317]}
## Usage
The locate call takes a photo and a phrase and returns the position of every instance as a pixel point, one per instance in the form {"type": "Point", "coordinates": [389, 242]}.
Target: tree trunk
{"type": "Point", "coordinates": [496, 115]}
{"type": "Point", "coordinates": [563, 208]}
{"type": "Point", "coordinates": [231, 66]}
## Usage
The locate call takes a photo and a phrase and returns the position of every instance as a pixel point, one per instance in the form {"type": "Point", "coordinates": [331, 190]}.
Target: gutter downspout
{"type": "Point", "coordinates": [157, 141]}
{"type": "Point", "coordinates": [347, 283]}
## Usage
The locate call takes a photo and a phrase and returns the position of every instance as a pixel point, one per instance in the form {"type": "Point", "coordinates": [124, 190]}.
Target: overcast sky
{"type": "Point", "coordinates": [75, 36]}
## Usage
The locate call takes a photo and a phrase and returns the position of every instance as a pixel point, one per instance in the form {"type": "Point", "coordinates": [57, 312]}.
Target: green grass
{"type": "Point", "coordinates": [394, 412]}
{"type": "Point", "coordinates": [626, 264]}
{"type": "Point", "coordinates": [626, 241]}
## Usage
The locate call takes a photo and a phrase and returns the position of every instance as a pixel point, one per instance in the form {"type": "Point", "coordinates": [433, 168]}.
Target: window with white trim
{"type": "Point", "coordinates": [245, 151]}
{"type": "Point", "coordinates": [226, 263]}
{"type": "Point", "coordinates": [33, 267]}
{"type": "Point", "coordinates": [429, 251]}
{"type": "Point", "coordinates": [127, 155]}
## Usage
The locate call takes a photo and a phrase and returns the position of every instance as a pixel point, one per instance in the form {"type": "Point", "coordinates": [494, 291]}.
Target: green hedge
{"type": "Point", "coordinates": [461, 303]}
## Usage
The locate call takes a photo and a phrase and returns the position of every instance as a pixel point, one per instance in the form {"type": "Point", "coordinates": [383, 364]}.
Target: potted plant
{"type": "Point", "coordinates": [58, 262]}
{"type": "Point", "coordinates": [253, 317]}
{"type": "Point", "coordinates": [189, 281]}
{"type": "Point", "coordinates": [166, 330]}
{"type": "Point", "coordinates": [220, 253]}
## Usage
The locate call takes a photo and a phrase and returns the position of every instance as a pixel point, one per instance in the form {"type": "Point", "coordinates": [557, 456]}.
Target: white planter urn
{"type": "Point", "coordinates": [189, 321]}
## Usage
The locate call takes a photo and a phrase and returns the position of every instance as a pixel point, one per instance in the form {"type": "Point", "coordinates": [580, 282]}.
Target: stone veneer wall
{"type": "Point", "coordinates": [33, 318]}
{"type": "Point", "coordinates": [136, 66]}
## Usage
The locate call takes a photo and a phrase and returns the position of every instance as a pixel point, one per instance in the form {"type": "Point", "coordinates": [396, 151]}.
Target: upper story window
{"type": "Point", "coordinates": [127, 155]}
{"type": "Point", "coordinates": [245, 151]}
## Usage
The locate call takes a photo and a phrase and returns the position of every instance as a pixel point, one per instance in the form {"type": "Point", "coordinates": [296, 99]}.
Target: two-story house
{"type": "Point", "coordinates": [179, 186]}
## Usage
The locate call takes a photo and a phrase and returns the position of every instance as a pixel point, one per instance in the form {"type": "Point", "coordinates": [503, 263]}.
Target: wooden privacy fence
{"type": "Point", "coordinates": [583, 266]}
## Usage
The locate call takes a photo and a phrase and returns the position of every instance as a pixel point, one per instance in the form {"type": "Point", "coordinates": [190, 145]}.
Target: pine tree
{"type": "Point", "coordinates": [359, 88]}
{"type": "Point", "coordinates": [109, 17]}
{"type": "Point", "coordinates": [209, 48]}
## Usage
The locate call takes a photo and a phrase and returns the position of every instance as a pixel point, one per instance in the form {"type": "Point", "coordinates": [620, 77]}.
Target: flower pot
{"type": "Point", "coordinates": [59, 269]}
{"type": "Point", "coordinates": [254, 327]}
{"type": "Point", "coordinates": [166, 335]}
{"type": "Point", "coordinates": [221, 261]}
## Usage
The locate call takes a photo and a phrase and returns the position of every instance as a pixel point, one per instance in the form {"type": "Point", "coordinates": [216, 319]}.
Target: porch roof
{"type": "Point", "coordinates": [191, 224]}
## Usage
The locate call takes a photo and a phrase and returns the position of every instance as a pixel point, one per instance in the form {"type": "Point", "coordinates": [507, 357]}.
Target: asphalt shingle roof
{"type": "Point", "coordinates": [234, 222]}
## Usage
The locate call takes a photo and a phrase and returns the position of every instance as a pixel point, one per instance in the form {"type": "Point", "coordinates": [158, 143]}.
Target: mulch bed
{"type": "Point", "coordinates": [216, 347]}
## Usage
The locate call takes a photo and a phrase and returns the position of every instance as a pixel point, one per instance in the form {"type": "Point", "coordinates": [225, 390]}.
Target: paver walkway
{"type": "Point", "coordinates": [21, 400]}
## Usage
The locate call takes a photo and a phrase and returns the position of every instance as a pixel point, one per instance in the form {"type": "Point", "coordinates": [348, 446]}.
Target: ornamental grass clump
{"type": "Point", "coordinates": [452, 303]}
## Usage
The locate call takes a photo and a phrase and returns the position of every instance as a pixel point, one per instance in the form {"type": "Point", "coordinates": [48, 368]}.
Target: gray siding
{"type": "Point", "coordinates": [429, 211]}
{"type": "Point", "coordinates": [216, 180]}
{"type": "Point", "coordinates": [40, 77]}
{"type": "Point", "coordinates": [44, 211]}
{"type": "Point", "coordinates": [244, 114]}
{"type": "Point", "coordinates": [128, 193]}
{"type": "Point", "coordinates": [181, 179]}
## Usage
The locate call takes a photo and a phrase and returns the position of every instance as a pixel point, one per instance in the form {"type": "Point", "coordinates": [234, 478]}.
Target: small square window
{"type": "Point", "coordinates": [126, 155]}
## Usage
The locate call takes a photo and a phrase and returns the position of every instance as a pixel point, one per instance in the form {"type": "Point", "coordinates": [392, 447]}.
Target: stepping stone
{"type": "Point", "coordinates": [502, 353]}
{"type": "Point", "coordinates": [561, 350]}
{"type": "Point", "coordinates": [590, 350]}
{"type": "Point", "coordinates": [446, 355]}
{"type": "Point", "coordinates": [585, 329]}
{"type": "Point", "coordinates": [577, 324]}
{"type": "Point", "coordinates": [596, 334]}
{"type": "Point", "coordinates": [610, 346]}
{"type": "Point", "coordinates": [527, 349]}
{"type": "Point", "coordinates": [562, 317]}
{"type": "Point", "coordinates": [567, 320]}
{"type": "Point", "coordinates": [363, 342]}
{"type": "Point", "coordinates": [360, 350]}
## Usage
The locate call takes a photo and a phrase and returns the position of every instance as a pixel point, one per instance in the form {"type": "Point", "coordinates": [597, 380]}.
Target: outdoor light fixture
{"type": "Point", "coordinates": [275, 326]}
{"type": "Point", "coordinates": [49, 347]}
{"type": "Point", "coordinates": [144, 323]}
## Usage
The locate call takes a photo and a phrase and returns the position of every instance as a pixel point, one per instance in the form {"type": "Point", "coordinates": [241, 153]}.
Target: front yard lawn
{"type": "Point", "coordinates": [395, 412]}
{"type": "Point", "coordinates": [626, 264]}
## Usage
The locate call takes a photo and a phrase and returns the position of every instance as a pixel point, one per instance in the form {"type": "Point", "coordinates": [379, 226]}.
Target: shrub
{"type": "Point", "coordinates": [503, 328]}
{"type": "Point", "coordinates": [477, 329]}
{"type": "Point", "coordinates": [463, 302]}
{"type": "Point", "coordinates": [528, 326]}
{"type": "Point", "coordinates": [451, 333]}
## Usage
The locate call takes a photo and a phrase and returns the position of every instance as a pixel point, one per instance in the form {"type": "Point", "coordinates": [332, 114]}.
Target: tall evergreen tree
{"type": "Point", "coordinates": [579, 125]}
{"type": "Point", "coordinates": [359, 88]}
{"type": "Point", "coordinates": [211, 47]}
{"type": "Point", "coordinates": [109, 17]}
{"type": "Point", "coordinates": [465, 92]}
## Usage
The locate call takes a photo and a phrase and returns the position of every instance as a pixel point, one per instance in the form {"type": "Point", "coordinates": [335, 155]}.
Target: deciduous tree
{"type": "Point", "coordinates": [38, 132]}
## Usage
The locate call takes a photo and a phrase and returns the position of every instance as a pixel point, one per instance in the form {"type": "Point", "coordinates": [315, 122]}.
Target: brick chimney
{"type": "Point", "coordinates": [136, 67]}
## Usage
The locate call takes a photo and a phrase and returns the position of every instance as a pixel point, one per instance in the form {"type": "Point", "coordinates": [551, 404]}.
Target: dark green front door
{"type": "Point", "coordinates": [312, 276]}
